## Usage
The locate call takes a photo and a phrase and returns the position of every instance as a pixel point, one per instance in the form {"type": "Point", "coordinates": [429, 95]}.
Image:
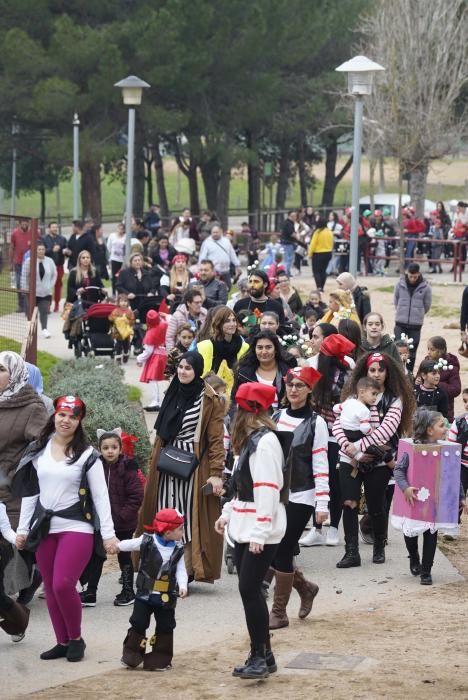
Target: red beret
{"type": "Point", "coordinates": [165, 520]}
{"type": "Point", "coordinates": [253, 392]}
{"type": "Point", "coordinates": [336, 345]}
{"type": "Point", "coordinates": [307, 375]}
{"type": "Point", "coordinates": [70, 404]}
{"type": "Point", "coordinates": [376, 357]}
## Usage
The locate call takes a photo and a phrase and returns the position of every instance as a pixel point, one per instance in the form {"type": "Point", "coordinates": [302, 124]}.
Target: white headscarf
{"type": "Point", "coordinates": [18, 372]}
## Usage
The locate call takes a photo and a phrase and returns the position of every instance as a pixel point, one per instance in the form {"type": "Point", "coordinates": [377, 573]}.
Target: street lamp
{"type": "Point", "coordinates": [76, 163]}
{"type": "Point", "coordinates": [14, 133]}
{"type": "Point", "coordinates": [360, 72]}
{"type": "Point", "coordinates": [132, 91]}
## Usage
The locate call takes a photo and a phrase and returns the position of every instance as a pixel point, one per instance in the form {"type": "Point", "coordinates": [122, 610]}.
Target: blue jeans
{"type": "Point", "coordinates": [411, 244]}
{"type": "Point", "coordinates": [21, 300]}
{"type": "Point", "coordinates": [288, 249]}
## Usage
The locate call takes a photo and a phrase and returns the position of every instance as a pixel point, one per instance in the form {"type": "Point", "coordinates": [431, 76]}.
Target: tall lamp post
{"type": "Point", "coordinates": [132, 91]}
{"type": "Point", "coordinates": [14, 133]}
{"type": "Point", "coordinates": [360, 72]}
{"type": "Point", "coordinates": [76, 163]}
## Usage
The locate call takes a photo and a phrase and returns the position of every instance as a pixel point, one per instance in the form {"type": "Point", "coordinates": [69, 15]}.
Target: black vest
{"type": "Point", "coordinates": [299, 459]}
{"type": "Point", "coordinates": [242, 478]}
{"type": "Point", "coordinates": [154, 576]}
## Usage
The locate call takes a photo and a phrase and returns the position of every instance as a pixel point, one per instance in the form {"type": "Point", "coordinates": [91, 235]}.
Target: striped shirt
{"type": "Point", "coordinates": [319, 496]}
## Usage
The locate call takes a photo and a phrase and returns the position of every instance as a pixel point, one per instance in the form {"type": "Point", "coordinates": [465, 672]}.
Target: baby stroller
{"type": "Point", "coordinates": [97, 339]}
{"type": "Point", "coordinates": [74, 315]}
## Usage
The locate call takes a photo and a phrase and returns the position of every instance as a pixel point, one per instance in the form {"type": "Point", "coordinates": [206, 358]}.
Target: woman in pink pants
{"type": "Point", "coordinates": [61, 481]}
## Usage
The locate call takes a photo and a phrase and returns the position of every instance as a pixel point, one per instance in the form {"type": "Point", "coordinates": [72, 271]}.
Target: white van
{"type": "Point", "coordinates": [390, 201]}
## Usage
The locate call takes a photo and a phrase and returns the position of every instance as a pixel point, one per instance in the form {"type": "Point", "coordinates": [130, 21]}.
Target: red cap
{"type": "Point", "coordinates": [376, 357]}
{"type": "Point", "coordinates": [70, 404]}
{"type": "Point", "coordinates": [152, 318]}
{"type": "Point", "coordinates": [307, 375]}
{"type": "Point", "coordinates": [165, 520]}
{"type": "Point", "coordinates": [337, 345]}
{"type": "Point", "coordinates": [250, 393]}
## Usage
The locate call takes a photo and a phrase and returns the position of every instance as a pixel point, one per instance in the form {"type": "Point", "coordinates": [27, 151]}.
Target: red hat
{"type": "Point", "coordinates": [376, 357]}
{"type": "Point", "coordinates": [178, 258]}
{"type": "Point", "coordinates": [70, 404]}
{"type": "Point", "coordinates": [152, 318]}
{"type": "Point", "coordinates": [337, 345]}
{"type": "Point", "coordinates": [307, 375]}
{"type": "Point", "coordinates": [165, 520]}
{"type": "Point", "coordinates": [255, 393]}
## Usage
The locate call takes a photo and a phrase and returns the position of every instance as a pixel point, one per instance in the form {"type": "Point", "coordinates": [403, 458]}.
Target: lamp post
{"type": "Point", "coordinates": [132, 91]}
{"type": "Point", "coordinates": [14, 132]}
{"type": "Point", "coordinates": [76, 163]}
{"type": "Point", "coordinates": [360, 72]}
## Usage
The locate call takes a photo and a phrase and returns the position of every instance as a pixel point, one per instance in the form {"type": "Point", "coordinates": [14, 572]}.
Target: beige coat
{"type": "Point", "coordinates": [207, 546]}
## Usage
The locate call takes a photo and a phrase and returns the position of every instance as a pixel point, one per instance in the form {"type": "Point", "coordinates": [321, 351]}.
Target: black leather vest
{"type": "Point", "coordinates": [299, 458]}
{"type": "Point", "coordinates": [153, 575]}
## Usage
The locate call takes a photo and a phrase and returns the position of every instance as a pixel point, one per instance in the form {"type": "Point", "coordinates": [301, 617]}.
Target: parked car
{"type": "Point", "coordinates": [390, 201]}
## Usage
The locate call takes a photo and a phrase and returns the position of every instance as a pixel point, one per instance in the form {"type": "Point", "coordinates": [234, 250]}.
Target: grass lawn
{"type": "Point", "coordinates": [45, 361]}
{"type": "Point", "coordinates": [113, 195]}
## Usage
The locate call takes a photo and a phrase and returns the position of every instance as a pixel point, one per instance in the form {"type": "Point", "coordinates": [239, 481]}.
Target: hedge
{"type": "Point", "coordinates": [99, 383]}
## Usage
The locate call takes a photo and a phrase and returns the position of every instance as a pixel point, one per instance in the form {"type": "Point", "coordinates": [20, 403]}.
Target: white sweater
{"type": "Point", "coordinates": [5, 528]}
{"type": "Point", "coordinates": [165, 551]}
{"type": "Point", "coordinates": [59, 484]}
{"type": "Point", "coordinates": [264, 520]}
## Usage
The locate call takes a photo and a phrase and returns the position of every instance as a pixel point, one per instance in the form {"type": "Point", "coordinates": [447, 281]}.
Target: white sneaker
{"type": "Point", "coordinates": [332, 537]}
{"type": "Point", "coordinates": [45, 333]}
{"type": "Point", "coordinates": [15, 638]}
{"type": "Point", "coordinates": [314, 538]}
{"type": "Point", "coordinates": [41, 593]}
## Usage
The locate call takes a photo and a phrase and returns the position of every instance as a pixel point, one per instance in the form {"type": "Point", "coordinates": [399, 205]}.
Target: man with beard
{"type": "Point", "coordinates": [252, 307]}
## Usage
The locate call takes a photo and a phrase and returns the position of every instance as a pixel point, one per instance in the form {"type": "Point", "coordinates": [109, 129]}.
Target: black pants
{"type": "Point", "coordinates": [298, 515]}
{"type": "Point", "coordinates": [429, 548]}
{"type": "Point", "coordinates": [122, 347]}
{"type": "Point", "coordinates": [93, 571]}
{"type": "Point", "coordinates": [115, 269]}
{"type": "Point", "coordinates": [319, 268]}
{"type": "Point", "coordinates": [141, 617]}
{"type": "Point", "coordinates": [43, 306]}
{"type": "Point", "coordinates": [413, 332]}
{"type": "Point", "coordinates": [251, 570]}
{"type": "Point", "coordinates": [375, 488]}
{"type": "Point", "coordinates": [6, 553]}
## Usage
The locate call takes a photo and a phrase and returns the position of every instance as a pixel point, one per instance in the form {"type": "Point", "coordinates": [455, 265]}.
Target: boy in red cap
{"type": "Point", "coordinates": [161, 577]}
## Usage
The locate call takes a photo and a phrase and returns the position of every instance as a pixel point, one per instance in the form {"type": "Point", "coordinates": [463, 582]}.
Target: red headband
{"type": "Point", "coordinates": [376, 357]}
{"type": "Point", "coordinates": [70, 404]}
{"type": "Point", "coordinates": [178, 258]}
{"type": "Point", "coordinates": [263, 395]}
{"type": "Point", "coordinates": [165, 520]}
{"type": "Point", "coordinates": [308, 375]}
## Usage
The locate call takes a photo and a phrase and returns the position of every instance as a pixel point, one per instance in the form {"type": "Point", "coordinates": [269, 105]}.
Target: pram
{"type": "Point", "coordinates": [75, 329]}
{"type": "Point", "coordinates": [97, 339]}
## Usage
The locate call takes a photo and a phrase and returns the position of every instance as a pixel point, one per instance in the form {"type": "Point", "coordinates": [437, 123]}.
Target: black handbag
{"type": "Point", "coordinates": [177, 462]}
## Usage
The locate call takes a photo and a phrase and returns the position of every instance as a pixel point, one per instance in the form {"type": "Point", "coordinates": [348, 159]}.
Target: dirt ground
{"type": "Point", "coordinates": [414, 646]}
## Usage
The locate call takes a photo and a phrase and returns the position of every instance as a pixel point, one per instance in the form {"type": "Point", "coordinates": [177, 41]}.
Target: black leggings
{"type": "Point", "coordinates": [375, 487]}
{"type": "Point", "coordinates": [298, 515]}
{"type": "Point", "coordinates": [251, 569]}
{"type": "Point", "coordinates": [319, 268]}
{"type": "Point", "coordinates": [429, 548]}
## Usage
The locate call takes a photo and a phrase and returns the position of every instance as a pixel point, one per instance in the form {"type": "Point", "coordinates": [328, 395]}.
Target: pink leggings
{"type": "Point", "coordinates": [61, 558]}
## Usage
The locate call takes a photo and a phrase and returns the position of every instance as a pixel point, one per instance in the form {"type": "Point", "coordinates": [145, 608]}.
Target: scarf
{"type": "Point", "coordinates": [18, 372]}
{"type": "Point", "coordinates": [226, 350]}
{"type": "Point", "coordinates": [179, 398]}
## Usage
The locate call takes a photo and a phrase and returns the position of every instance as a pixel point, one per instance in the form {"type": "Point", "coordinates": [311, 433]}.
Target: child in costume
{"type": "Point", "coordinates": [185, 338]}
{"type": "Point", "coordinates": [428, 394]}
{"type": "Point", "coordinates": [123, 320]}
{"type": "Point", "coordinates": [161, 577]}
{"type": "Point", "coordinates": [154, 355]}
{"type": "Point", "coordinates": [354, 414]}
{"type": "Point", "coordinates": [125, 495]}
{"type": "Point", "coordinates": [429, 427]}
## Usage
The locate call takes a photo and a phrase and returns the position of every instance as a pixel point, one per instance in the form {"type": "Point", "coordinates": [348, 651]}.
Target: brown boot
{"type": "Point", "coordinates": [134, 648]}
{"type": "Point", "coordinates": [160, 656]}
{"type": "Point", "coordinates": [307, 592]}
{"type": "Point", "coordinates": [283, 588]}
{"type": "Point", "coordinates": [15, 619]}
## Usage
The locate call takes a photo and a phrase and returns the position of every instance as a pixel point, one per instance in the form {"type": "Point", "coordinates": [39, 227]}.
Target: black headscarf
{"type": "Point", "coordinates": [179, 398]}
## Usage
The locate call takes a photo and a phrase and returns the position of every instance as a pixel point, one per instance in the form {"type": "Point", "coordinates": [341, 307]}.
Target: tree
{"type": "Point", "coordinates": [416, 106]}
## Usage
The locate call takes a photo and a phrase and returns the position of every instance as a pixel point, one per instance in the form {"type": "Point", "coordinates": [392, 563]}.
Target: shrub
{"type": "Point", "coordinates": [100, 385]}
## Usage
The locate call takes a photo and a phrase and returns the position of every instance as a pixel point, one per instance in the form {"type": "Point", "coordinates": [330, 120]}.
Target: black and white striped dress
{"type": "Point", "coordinates": [174, 492]}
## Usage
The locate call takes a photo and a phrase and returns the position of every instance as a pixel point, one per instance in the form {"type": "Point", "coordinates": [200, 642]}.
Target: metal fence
{"type": "Point", "coordinates": [18, 318]}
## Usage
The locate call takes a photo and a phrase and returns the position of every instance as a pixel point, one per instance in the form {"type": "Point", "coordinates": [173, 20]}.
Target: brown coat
{"type": "Point", "coordinates": [22, 418]}
{"type": "Point", "coordinates": [207, 546]}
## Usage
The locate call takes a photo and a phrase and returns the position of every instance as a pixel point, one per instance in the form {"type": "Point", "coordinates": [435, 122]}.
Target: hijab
{"type": "Point", "coordinates": [18, 372]}
{"type": "Point", "coordinates": [179, 398]}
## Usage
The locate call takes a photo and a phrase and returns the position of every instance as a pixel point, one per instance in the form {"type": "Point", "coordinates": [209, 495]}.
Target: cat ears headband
{"type": "Point", "coordinates": [116, 431]}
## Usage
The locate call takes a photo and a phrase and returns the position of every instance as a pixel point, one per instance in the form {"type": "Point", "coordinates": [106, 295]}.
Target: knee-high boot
{"type": "Point", "coordinates": [379, 526]}
{"type": "Point", "coordinates": [283, 588]}
{"type": "Point", "coordinates": [160, 656]}
{"type": "Point", "coordinates": [14, 619]}
{"type": "Point", "coordinates": [307, 592]}
{"type": "Point", "coordinates": [134, 648]}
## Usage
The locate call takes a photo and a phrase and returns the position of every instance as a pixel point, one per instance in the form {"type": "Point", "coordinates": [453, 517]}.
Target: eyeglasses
{"type": "Point", "coordinates": [297, 385]}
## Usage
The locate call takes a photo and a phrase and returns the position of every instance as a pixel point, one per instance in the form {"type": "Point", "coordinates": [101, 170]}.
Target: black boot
{"type": "Point", "coordinates": [256, 668]}
{"type": "Point", "coordinates": [414, 564]}
{"type": "Point", "coordinates": [27, 594]}
{"type": "Point", "coordinates": [134, 648]}
{"type": "Point", "coordinates": [378, 556]}
{"type": "Point", "coordinates": [379, 526]}
{"type": "Point", "coordinates": [269, 658]}
{"type": "Point", "coordinates": [351, 556]}
{"type": "Point", "coordinates": [160, 656]}
{"type": "Point", "coordinates": [127, 596]}
{"type": "Point", "coordinates": [426, 578]}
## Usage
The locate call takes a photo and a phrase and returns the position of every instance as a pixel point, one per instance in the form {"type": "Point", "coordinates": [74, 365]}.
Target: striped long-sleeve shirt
{"type": "Point", "coordinates": [454, 435]}
{"type": "Point", "coordinates": [381, 433]}
{"type": "Point", "coordinates": [319, 496]}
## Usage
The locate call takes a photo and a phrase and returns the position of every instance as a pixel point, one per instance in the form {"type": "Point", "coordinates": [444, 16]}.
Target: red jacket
{"type": "Point", "coordinates": [125, 492]}
{"type": "Point", "coordinates": [413, 227]}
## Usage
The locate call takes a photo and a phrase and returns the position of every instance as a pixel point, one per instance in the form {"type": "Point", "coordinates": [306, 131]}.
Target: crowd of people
{"type": "Point", "coordinates": [278, 418]}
